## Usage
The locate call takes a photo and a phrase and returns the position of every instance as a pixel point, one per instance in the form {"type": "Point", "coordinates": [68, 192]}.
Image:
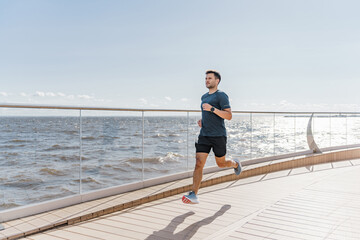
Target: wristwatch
{"type": "Point", "coordinates": [212, 109]}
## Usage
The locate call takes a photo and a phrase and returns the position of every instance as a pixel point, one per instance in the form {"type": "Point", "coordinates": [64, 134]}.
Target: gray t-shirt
{"type": "Point", "coordinates": [212, 124]}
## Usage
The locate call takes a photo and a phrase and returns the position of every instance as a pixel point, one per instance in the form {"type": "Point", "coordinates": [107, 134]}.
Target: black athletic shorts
{"type": "Point", "coordinates": [218, 144]}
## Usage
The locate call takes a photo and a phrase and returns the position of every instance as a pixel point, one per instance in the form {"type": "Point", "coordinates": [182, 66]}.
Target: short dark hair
{"type": "Point", "coordinates": [216, 73]}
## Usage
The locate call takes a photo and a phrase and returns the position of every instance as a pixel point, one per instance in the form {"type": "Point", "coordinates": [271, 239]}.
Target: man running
{"type": "Point", "coordinates": [215, 107]}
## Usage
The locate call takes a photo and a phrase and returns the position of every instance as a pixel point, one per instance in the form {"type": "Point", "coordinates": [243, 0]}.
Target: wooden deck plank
{"type": "Point", "coordinates": [114, 228]}
{"type": "Point", "coordinates": [65, 234]}
{"type": "Point", "coordinates": [43, 237]}
{"type": "Point", "coordinates": [322, 204]}
{"type": "Point", "coordinates": [94, 233]}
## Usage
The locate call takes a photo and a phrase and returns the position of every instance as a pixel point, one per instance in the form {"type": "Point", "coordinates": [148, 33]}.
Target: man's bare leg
{"type": "Point", "coordinates": [191, 198]}
{"type": "Point", "coordinates": [223, 163]}
{"type": "Point", "coordinates": [198, 171]}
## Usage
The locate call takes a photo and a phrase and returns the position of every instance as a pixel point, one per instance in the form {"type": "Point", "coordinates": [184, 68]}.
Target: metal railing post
{"type": "Point", "coordinates": [251, 132]}
{"type": "Point", "coordinates": [346, 131]}
{"type": "Point", "coordinates": [330, 129]}
{"type": "Point", "coordinates": [36, 143]}
{"type": "Point", "coordinates": [80, 164]}
{"type": "Point", "coordinates": [187, 142]}
{"type": "Point", "coordinates": [274, 134]}
{"type": "Point", "coordinates": [294, 132]}
{"type": "Point", "coordinates": [143, 136]}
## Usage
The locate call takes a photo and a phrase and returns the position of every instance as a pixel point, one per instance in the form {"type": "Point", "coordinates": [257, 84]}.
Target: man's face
{"type": "Point", "coordinates": [210, 80]}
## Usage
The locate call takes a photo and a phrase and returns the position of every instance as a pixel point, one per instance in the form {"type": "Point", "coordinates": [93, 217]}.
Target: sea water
{"type": "Point", "coordinates": [40, 156]}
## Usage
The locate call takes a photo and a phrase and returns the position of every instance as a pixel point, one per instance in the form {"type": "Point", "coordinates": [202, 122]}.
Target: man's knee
{"type": "Point", "coordinates": [220, 161]}
{"type": "Point", "coordinates": [200, 162]}
{"type": "Point", "coordinates": [221, 164]}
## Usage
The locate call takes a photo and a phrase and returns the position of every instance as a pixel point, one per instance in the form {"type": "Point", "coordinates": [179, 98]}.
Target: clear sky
{"type": "Point", "coordinates": [272, 54]}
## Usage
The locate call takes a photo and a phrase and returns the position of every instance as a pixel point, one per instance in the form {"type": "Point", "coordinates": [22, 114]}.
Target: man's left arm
{"type": "Point", "coordinates": [225, 114]}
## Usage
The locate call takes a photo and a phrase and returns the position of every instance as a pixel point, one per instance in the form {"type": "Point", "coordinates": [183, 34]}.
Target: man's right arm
{"type": "Point", "coordinates": [199, 123]}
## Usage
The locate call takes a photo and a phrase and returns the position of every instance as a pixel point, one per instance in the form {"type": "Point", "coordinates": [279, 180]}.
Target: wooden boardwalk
{"type": "Point", "coordinates": [318, 202]}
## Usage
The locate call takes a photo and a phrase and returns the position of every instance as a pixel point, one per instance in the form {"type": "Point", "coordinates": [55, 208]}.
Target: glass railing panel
{"type": "Point", "coordinates": [165, 143]}
{"type": "Point", "coordinates": [262, 135]}
{"type": "Point", "coordinates": [338, 129]}
{"type": "Point", "coordinates": [239, 136]}
{"type": "Point", "coordinates": [301, 123]}
{"type": "Point", "coordinates": [194, 131]}
{"type": "Point", "coordinates": [111, 148]}
{"type": "Point", "coordinates": [39, 156]}
{"type": "Point", "coordinates": [284, 134]}
{"type": "Point", "coordinates": [353, 129]}
{"type": "Point", "coordinates": [321, 128]}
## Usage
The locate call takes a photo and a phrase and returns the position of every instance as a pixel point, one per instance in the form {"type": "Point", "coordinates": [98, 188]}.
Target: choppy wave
{"type": "Point", "coordinates": [61, 147]}
{"type": "Point", "coordinates": [135, 147]}
{"type": "Point", "coordinates": [8, 205]}
{"type": "Point", "coordinates": [174, 135]}
{"type": "Point", "coordinates": [103, 136]}
{"type": "Point", "coordinates": [88, 138]}
{"type": "Point", "coordinates": [63, 192]}
{"type": "Point", "coordinates": [146, 170]}
{"type": "Point", "coordinates": [159, 135]}
{"type": "Point", "coordinates": [89, 180]}
{"type": "Point", "coordinates": [24, 182]}
{"type": "Point", "coordinates": [62, 158]}
{"type": "Point", "coordinates": [71, 132]}
{"type": "Point", "coordinates": [11, 153]}
{"type": "Point", "coordinates": [116, 168]}
{"type": "Point", "coordinates": [139, 160]}
{"type": "Point", "coordinates": [18, 141]}
{"type": "Point", "coordinates": [169, 157]}
{"type": "Point", "coordinates": [52, 171]}
{"type": "Point", "coordinates": [9, 163]}
{"type": "Point", "coordinates": [12, 146]}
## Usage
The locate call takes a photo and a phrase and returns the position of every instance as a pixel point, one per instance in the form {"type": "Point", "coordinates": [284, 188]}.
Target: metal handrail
{"type": "Point", "coordinates": [39, 106]}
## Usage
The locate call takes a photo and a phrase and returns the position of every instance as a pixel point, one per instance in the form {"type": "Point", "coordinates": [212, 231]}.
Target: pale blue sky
{"type": "Point", "coordinates": [273, 55]}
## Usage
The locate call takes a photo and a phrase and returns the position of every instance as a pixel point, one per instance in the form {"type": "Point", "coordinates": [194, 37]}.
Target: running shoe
{"type": "Point", "coordinates": [191, 198]}
{"type": "Point", "coordinates": [238, 169]}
